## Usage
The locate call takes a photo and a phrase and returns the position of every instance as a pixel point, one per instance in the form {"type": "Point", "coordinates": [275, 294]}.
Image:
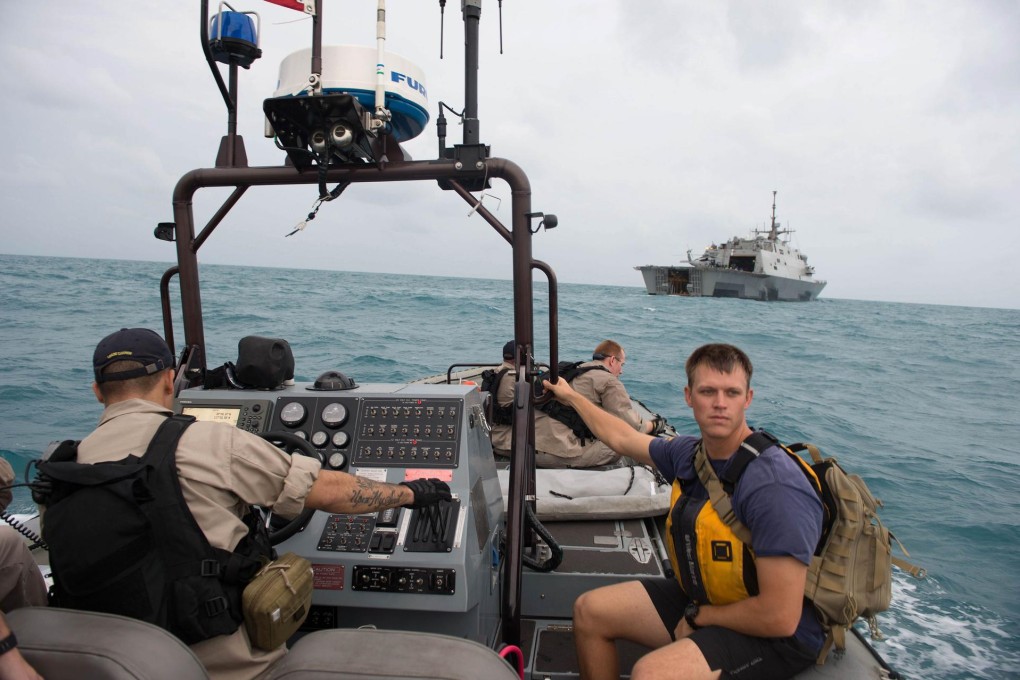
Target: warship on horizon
{"type": "Point", "coordinates": [762, 267]}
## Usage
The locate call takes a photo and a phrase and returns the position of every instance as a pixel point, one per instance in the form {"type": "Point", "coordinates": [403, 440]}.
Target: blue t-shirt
{"type": "Point", "coordinates": [773, 499]}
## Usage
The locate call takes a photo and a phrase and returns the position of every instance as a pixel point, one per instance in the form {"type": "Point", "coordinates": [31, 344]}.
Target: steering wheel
{"type": "Point", "coordinates": [278, 531]}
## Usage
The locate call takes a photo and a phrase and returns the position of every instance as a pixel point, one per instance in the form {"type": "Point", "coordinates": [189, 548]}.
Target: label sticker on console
{"type": "Point", "coordinates": [442, 475]}
{"type": "Point", "coordinates": [375, 474]}
{"type": "Point", "coordinates": [328, 576]}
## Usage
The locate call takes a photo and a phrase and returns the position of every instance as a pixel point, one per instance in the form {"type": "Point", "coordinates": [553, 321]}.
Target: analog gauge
{"type": "Point", "coordinates": [319, 439]}
{"type": "Point", "coordinates": [337, 460]}
{"type": "Point", "coordinates": [340, 440]}
{"type": "Point", "coordinates": [334, 415]}
{"type": "Point", "coordinates": [301, 433]}
{"type": "Point", "coordinates": [293, 414]}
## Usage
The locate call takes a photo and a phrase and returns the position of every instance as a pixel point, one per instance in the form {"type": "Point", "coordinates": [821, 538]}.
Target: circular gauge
{"type": "Point", "coordinates": [301, 433]}
{"type": "Point", "coordinates": [319, 439]}
{"type": "Point", "coordinates": [337, 460]}
{"type": "Point", "coordinates": [340, 440]}
{"type": "Point", "coordinates": [293, 414]}
{"type": "Point", "coordinates": [334, 415]}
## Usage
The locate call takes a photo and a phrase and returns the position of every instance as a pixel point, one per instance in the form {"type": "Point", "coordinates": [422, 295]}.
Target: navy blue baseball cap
{"type": "Point", "coordinates": [510, 350]}
{"type": "Point", "coordinates": [132, 344]}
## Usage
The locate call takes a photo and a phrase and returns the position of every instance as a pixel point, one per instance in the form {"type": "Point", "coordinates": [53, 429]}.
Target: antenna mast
{"type": "Point", "coordinates": [774, 234]}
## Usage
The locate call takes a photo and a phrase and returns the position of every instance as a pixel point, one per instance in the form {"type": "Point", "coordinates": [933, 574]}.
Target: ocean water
{"type": "Point", "coordinates": [920, 400]}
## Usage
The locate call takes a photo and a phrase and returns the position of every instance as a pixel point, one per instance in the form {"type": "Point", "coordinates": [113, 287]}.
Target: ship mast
{"type": "Point", "coordinates": [774, 233]}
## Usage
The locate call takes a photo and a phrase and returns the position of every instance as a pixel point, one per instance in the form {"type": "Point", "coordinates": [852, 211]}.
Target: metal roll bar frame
{"type": "Point", "coordinates": [451, 172]}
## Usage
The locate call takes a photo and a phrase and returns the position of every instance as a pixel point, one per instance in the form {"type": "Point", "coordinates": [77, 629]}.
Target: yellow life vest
{"type": "Point", "coordinates": [711, 563]}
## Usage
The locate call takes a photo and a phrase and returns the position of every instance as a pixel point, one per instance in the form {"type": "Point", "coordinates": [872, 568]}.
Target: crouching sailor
{"type": "Point", "coordinates": [562, 438]}
{"type": "Point", "coordinates": [174, 542]}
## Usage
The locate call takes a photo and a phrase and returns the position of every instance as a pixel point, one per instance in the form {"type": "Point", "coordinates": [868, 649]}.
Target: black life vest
{"type": "Point", "coordinates": [122, 540]}
{"type": "Point", "coordinates": [566, 414]}
{"type": "Point", "coordinates": [498, 414]}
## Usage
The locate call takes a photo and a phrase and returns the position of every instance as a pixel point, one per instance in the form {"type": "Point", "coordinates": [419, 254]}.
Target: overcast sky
{"type": "Point", "coordinates": [891, 131]}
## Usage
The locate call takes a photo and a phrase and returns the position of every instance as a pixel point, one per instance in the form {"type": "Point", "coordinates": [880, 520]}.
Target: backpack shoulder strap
{"type": "Point", "coordinates": [758, 441]}
{"type": "Point", "coordinates": [568, 370]}
{"type": "Point", "coordinates": [813, 451]}
{"type": "Point", "coordinates": [721, 501]}
{"type": "Point", "coordinates": [170, 511]}
{"type": "Point", "coordinates": [750, 449]}
{"type": "Point", "coordinates": [585, 369]}
{"type": "Point", "coordinates": [164, 442]}
{"type": "Point", "coordinates": [573, 369]}
{"type": "Point", "coordinates": [721, 489]}
{"type": "Point", "coordinates": [234, 566]}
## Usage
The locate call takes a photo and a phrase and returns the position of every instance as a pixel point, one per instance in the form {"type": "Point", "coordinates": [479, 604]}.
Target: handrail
{"type": "Point", "coordinates": [164, 300]}
{"type": "Point", "coordinates": [449, 371]}
{"type": "Point", "coordinates": [554, 351]}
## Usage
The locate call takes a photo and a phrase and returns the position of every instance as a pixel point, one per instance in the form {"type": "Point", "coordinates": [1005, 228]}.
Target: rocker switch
{"type": "Point", "coordinates": [388, 517]}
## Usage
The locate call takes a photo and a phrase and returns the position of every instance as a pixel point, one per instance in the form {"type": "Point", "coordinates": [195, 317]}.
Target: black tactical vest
{"type": "Point", "coordinates": [498, 415]}
{"type": "Point", "coordinates": [122, 540]}
{"type": "Point", "coordinates": [566, 414]}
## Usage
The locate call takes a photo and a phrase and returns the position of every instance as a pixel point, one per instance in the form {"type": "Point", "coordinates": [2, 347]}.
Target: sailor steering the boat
{"type": "Point", "coordinates": [221, 471]}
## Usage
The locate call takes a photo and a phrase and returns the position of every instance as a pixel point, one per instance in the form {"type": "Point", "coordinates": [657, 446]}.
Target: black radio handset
{"type": "Point", "coordinates": [22, 529]}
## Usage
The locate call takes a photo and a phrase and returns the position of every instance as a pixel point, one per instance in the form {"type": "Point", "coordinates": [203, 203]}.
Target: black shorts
{"type": "Point", "coordinates": [739, 656]}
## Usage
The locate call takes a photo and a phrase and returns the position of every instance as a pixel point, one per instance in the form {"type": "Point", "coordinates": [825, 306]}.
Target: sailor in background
{"type": "Point", "coordinates": [21, 584]}
{"type": "Point", "coordinates": [571, 444]}
{"type": "Point", "coordinates": [502, 391]}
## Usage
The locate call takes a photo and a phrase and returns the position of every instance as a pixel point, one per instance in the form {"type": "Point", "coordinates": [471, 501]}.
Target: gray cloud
{"type": "Point", "coordinates": [889, 129]}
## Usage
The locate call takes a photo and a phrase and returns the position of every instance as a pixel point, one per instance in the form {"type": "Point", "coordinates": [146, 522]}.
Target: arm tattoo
{"type": "Point", "coordinates": [368, 495]}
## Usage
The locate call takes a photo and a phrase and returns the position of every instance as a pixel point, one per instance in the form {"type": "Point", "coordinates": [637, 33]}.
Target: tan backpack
{"type": "Point", "coordinates": [850, 575]}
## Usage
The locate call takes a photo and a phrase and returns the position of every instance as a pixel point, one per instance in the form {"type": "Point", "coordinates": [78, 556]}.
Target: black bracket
{"type": "Point", "coordinates": [548, 221]}
{"type": "Point", "coordinates": [469, 158]}
{"type": "Point", "coordinates": [165, 231]}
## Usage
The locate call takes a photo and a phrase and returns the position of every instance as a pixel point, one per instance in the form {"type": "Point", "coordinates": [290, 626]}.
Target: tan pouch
{"type": "Point", "coordinates": [276, 602]}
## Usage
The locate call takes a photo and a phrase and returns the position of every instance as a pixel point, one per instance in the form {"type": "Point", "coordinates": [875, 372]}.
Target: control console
{"type": "Point", "coordinates": [428, 569]}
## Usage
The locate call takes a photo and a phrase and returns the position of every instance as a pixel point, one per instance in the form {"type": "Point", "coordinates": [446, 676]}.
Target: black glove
{"type": "Point", "coordinates": [428, 492]}
{"type": "Point", "coordinates": [658, 426]}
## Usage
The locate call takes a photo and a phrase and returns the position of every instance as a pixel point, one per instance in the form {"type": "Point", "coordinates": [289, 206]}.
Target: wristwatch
{"type": "Point", "coordinates": [691, 613]}
{"type": "Point", "coordinates": [8, 643]}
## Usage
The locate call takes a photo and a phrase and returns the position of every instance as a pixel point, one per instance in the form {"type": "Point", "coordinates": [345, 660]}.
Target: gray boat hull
{"type": "Point", "coordinates": [728, 283]}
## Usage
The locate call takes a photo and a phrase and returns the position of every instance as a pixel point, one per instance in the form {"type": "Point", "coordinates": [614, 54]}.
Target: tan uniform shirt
{"type": "Point", "coordinates": [502, 434]}
{"type": "Point", "coordinates": [21, 582]}
{"type": "Point", "coordinates": [6, 479]}
{"type": "Point", "coordinates": [222, 470]}
{"type": "Point", "coordinates": [557, 446]}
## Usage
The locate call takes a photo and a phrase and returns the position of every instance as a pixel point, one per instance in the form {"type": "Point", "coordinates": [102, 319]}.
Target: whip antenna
{"type": "Point", "coordinates": [382, 114]}
{"type": "Point", "coordinates": [442, 17]}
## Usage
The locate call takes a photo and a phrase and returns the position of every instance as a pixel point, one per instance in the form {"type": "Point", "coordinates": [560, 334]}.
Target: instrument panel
{"type": "Point", "coordinates": [418, 431]}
